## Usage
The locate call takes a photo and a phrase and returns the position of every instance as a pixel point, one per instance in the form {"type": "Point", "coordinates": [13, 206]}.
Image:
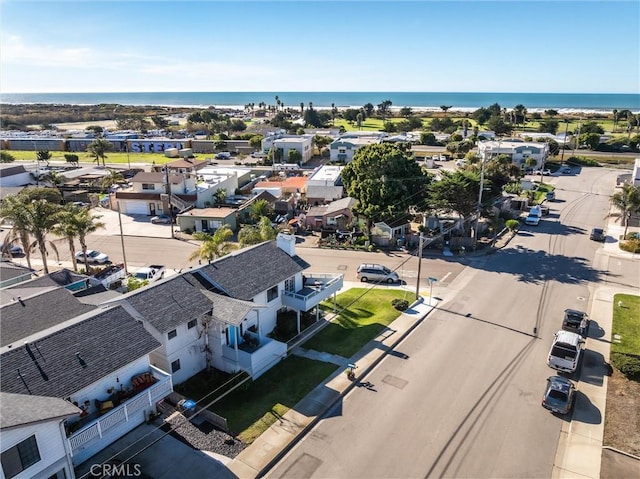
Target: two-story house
{"type": "Point", "coordinates": [149, 195]}
{"type": "Point", "coordinates": [518, 151]}
{"type": "Point", "coordinates": [98, 361]}
{"type": "Point", "coordinates": [221, 314]}
{"type": "Point", "coordinates": [34, 442]}
{"type": "Point", "coordinates": [343, 148]}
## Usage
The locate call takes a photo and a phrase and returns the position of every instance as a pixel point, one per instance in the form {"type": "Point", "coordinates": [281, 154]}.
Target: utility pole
{"type": "Point", "coordinates": [479, 209]}
{"type": "Point", "coordinates": [168, 191]}
{"type": "Point", "coordinates": [124, 256]}
{"type": "Point", "coordinates": [419, 266]}
{"type": "Point", "coordinates": [564, 144]}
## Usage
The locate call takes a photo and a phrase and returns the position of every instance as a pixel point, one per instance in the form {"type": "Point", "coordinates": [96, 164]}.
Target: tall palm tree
{"type": "Point", "coordinates": [615, 120]}
{"type": "Point", "coordinates": [98, 149]}
{"type": "Point", "coordinates": [42, 217]}
{"type": "Point", "coordinates": [13, 209]}
{"type": "Point", "coordinates": [77, 223]}
{"type": "Point", "coordinates": [213, 246]}
{"type": "Point", "coordinates": [259, 209]}
{"type": "Point", "coordinates": [628, 202]}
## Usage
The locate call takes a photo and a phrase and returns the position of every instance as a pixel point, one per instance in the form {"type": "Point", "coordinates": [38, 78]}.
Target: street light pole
{"type": "Point", "coordinates": [564, 144]}
{"type": "Point", "coordinates": [419, 266]}
{"type": "Point", "coordinates": [479, 209]}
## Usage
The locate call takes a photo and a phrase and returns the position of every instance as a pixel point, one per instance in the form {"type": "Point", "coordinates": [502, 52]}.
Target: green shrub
{"type": "Point", "coordinates": [512, 225]}
{"type": "Point", "coordinates": [400, 304]}
{"type": "Point", "coordinates": [582, 161]}
{"type": "Point", "coordinates": [6, 157]}
{"type": "Point", "coordinates": [627, 364]}
{"type": "Point", "coordinates": [632, 246]}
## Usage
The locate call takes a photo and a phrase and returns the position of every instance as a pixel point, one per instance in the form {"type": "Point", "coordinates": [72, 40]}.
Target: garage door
{"type": "Point", "coordinates": [134, 207]}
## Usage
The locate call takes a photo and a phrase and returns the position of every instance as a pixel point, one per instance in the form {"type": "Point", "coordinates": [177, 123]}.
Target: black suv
{"type": "Point", "coordinates": [576, 322]}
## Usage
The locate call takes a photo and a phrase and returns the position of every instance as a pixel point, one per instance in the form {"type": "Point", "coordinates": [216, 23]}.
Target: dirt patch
{"type": "Point", "coordinates": [622, 417]}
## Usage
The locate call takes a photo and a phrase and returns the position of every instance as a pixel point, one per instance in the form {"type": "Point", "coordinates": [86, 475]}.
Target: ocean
{"type": "Point", "coordinates": [563, 102]}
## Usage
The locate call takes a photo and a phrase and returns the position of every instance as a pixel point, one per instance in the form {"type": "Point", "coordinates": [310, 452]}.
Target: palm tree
{"type": "Point", "coordinates": [114, 177]}
{"type": "Point", "coordinates": [301, 107]}
{"type": "Point", "coordinates": [213, 246]}
{"type": "Point", "coordinates": [77, 223]}
{"type": "Point", "coordinates": [259, 209]}
{"type": "Point", "coordinates": [55, 178]}
{"type": "Point", "coordinates": [628, 202]}
{"type": "Point", "coordinates": [13, 209]}
{"type": "Point", "coordinates": [98, 149]}
{"type": "Point", "coordinates": [615, 120]}
{"type": "Point", "coordinates": [42, 216]}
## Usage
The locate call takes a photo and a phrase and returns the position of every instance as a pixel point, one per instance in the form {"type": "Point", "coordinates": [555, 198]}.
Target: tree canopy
{"type": "Point", "coordinates": [385, 181]}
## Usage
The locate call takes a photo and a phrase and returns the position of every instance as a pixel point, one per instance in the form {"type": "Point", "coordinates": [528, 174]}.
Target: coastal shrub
{"type": "Point", "coordinates": [512, 225]}
{"type": "Point", "coordinates": [400, 304]}
{"type": "Point", "coordinates": [627, 364]}
{"type": "Point", "coordinates": [631, 245]}
{"type": "Point", "coordinates": [6, 157]}
{"type": "Point", "coordinates": [582, 161]}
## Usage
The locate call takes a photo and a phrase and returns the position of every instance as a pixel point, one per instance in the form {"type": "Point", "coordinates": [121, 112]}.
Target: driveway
{"type": "Point", "coordinates": [159, 455]}
{"type": "Point", "coordinates": [132, 225]}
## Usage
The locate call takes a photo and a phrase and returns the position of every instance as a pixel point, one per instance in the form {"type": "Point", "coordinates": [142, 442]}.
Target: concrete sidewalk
{"type": "Point", "coordinates": [276, 441]}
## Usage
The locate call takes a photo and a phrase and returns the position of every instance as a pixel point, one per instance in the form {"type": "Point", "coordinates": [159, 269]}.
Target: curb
{"type": "Point", "coordinates": [629, 455]}
{"type": "Point", "coordinates": [316, 419]}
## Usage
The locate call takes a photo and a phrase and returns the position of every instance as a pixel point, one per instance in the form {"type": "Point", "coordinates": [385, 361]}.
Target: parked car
{"type": "Point", "coordinates": [576, 322]}
{"type": "Point", "coordinates": [597, 234]}
{"type": "Point", "coordinates": [376, 273]}
{"type": "Point", "coordinates": [92, 257]}
{"type": "Point", "coordinates": [546, 172]}
{"type": "Point", "coordinates": [559, 395]}
{"type": "Point", "coordinates": [566, 170]}
{"type": "Point", "coordinates": [550, 195]}
{"type": "Point", "coordinates": [161, 220]}
{"type": "Point", "coordinates": [13, 250]}
{"type": "Point", "coordinates": [565, 351]}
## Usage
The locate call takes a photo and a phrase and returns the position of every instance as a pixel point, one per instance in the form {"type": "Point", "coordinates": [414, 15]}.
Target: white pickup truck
{"type": "Point", "coordinates": [110, 276]}
{"type": "Point", "coordinates": [150, 273]}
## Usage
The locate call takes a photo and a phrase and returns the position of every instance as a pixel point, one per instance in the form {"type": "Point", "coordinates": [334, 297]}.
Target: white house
{"type": "Point", "coordinates": [303, 144]}
{"type": "Point", "coordinates": [519, 151]}
{"type": "Point", "coordinates": [325, 185]}
{"type": "Point", "coordinates": [34, 443]}
{"type": "Point", "coordinates": [148, 193]}
{"type": "Point", "coordinates": [636, 173]}
{"type": "Point", "coordinates": [220, 314]}
{"type": "Point", "coordinates": [343, 148]}
{"type": "Point", "coordinates": [15, 176]}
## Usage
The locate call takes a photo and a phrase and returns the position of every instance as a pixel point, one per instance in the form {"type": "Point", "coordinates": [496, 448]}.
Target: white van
{"type": "Point", "coordinates": [565, 351]}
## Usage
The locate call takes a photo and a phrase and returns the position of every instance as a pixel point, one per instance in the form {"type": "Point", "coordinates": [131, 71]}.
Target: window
{"type": "Point", "coordinates": [20, 457]}
{"type": "Point", "coordinates": [272, 294]}
{"type": "Point", "coordinates": [175, 366]}
{"type": "Point", "coordinates": [290, 285]}
{"type": "Point", "coordinates": [331, 221]}
{"type": "Point", "coordinates": [172, 334]}
{"type": "Point", "coordinates": [148, 186]}
{"type": "Point", "coordinates": [192, 324]}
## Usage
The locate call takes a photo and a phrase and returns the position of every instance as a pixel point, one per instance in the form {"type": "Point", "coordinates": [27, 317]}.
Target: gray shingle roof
{"type": "Point", "coordinates": [228, 310]}
{"type": "Point", "coordinates": [170, 303]}
{"type": "Point", "coordinates": [10, 270]}
{"type": "Point", "coordinates": [31, 315]}
{"type": "Point", "coordinates": [104, 343]}
{"type": "Point", "coordinates": [21, 409]}
{"type": "Point", "coordinates": [39, 285]}
{"type": "Point", "coordinates": [253, 270]}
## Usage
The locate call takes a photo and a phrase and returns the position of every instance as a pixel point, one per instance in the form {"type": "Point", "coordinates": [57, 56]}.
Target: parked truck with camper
{"type": "Point", "coordinates": [150, 273]}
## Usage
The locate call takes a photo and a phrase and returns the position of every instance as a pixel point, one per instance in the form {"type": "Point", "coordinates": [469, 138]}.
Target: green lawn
{"type": "Point", "coordinates": [256, 405]}
{"type": "Point", "coordinates": [112, 157]}
{"type": "Point", "coordinates": [364, 313]}
{"type": "Point", "coordinates": [626, 324]}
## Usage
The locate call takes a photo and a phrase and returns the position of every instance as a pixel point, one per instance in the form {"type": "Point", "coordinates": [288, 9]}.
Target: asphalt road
{"type": "Point", "coordinates": [466, 402]}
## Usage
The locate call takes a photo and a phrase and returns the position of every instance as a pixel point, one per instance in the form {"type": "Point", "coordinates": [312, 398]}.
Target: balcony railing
{"type": "Point", "coordinates": [109, 427]}
{"type": "Point", "coordinates": [317, 288]}
{"type": "Point", "coordinates": [257, 360]}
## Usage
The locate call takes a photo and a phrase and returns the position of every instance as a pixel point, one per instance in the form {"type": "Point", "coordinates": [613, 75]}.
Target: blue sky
{"type": "Point", "coordinates": [451, 46]}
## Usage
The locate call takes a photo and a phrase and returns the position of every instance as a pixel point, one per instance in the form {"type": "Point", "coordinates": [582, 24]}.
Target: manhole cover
{"type": "Point", "coordinates": [394, 381]}
{"type": "Point", "coordinates": [342, 267]}
{"type": "Point", "coordinates": [581, 298]}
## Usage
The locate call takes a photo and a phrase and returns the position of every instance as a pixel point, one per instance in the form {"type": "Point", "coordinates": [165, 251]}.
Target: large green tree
{"type": "Point", "coordinates": [385, 181]}
{"type": "Point", "coordinates": [250, 234]}
{"type": "Point", "coordinates": [456, 192]}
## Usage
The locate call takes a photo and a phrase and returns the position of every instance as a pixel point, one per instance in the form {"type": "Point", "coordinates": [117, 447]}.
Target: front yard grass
{"type": "Point", "coordinates": [626, 324]}
{"type": "Point", "coordinates": [256, 405]}
{"type": "Point", "coordinates": [363, 314]}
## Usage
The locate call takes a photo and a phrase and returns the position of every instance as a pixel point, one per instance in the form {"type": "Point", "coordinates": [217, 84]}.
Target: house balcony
{"type": "Point", "coordinates": [116, 416]}
{"type": "Point", "coordinates": [317, 287]}
{"type": "Point", "coordinates": [255, 354]}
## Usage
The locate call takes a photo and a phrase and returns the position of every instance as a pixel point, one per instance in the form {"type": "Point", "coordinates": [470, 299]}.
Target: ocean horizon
{"type": "Point", "coordinates": [563, 102]}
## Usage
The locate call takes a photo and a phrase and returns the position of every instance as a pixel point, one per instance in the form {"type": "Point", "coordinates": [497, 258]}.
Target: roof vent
{"type": "Point", "coordinates": [82, 362]}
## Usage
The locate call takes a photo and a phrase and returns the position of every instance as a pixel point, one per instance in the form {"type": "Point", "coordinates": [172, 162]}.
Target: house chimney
{"type": "Point", "coordinates": [287, 243]}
